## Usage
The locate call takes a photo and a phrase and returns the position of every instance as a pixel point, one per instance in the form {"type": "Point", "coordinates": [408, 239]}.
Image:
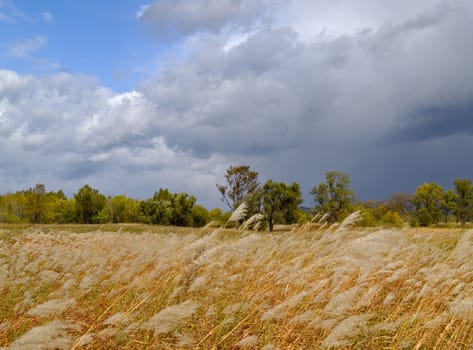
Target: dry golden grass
{"type": "Point", "coordinates": [313, 287]}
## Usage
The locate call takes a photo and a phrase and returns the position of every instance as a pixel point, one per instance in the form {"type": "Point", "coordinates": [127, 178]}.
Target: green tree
{"type": "Point", "coordinates": [334, 197]}
{"type": "Point", "coordinates": [464, 200]}
{"type": "Point", "coordinates": [43, 207]}
{"type": "Point", "coordinates": [89, 203]}
{"type": "Point", "coordinates": [67, 212]}
{"type": "Point", "coordinates": [427, 200]}
{"type": "Point", "coordinates": [218, 216]}
{"type": "Point", "coordinates": [158, 210]}
{"type": "Point", "coordinates": [16, 207]}
{"type": "Point", "coordinates": [3, 208]}
{"type": "Point", "coordinates": [166, 208]}
{"type": "Point", "coordinates": [279, 203]}
{"type": "Point", "coordinates": [392, 218]}
{"type": "Point", "coordinates": [182, 208]}
{"type": "Point", "coordinates": [13, 205]}
{"type": "Point", "coordinates": [55, 203]}
{"type": "Point", "coordinates": [449, 204]}
{"type": "Point", "coordinates": [35, 207]}
{"type": "Point", "coordinates": [368, 218]}
{"type": "Point", "coordinates": [241, 182]}
{"type": "Point", "coordinates": [381, 213]}
{"type": "Point", "coordinates": [200, 216]}
{"type": "Point", "coordinates": [122, 209]}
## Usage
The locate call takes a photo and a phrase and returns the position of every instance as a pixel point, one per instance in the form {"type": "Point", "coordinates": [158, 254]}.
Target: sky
{"type": "Point", "coordinates": [131, 96]}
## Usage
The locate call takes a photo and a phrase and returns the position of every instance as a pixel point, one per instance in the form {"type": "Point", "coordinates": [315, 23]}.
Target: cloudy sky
{"type": "Point", "coordinates": [131, 96]}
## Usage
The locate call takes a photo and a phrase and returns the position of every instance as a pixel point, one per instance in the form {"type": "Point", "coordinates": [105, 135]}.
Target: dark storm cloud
{"type": "Point", "coordinates": [442, 121]}
{"type": "Point", "coordinates": [280, 100]}
{"type": "Point", "coordinates": [258, 96]}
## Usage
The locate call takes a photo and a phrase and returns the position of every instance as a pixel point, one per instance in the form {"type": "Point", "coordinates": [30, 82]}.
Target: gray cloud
{"type": "Point", "coordinates": [172, 18]}
{"type": "Point", "coordinates": [437, 122]}
{"type": "Point", "coordinates": [337, 100]}
{"type": "Point", "coordinates": [387, 99]}
{"type": "Point", "coordinates": [66, 130]}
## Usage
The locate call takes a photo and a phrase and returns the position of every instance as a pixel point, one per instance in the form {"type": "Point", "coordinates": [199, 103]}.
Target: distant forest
{"type": "Point", "coordinates": [268, 204]}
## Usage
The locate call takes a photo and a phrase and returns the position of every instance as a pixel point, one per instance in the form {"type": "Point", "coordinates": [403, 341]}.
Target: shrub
{"type": "Point", "coordinates": [392, 218]}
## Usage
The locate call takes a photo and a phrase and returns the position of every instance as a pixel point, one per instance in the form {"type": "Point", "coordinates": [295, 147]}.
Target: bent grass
{"type": "Point", "coordinates": [146, 287]}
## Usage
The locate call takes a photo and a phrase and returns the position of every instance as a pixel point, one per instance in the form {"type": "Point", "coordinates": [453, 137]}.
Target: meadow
{"type": "Point", "coordinates": [309, 287]}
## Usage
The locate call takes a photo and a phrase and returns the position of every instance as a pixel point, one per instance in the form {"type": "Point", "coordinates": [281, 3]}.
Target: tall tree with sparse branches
{"type": "Point", "coordinates": [241, 182]}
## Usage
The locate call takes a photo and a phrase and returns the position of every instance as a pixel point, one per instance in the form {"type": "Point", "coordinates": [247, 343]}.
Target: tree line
{"type": "Point", "coordinates": [267, 204]}
{"type": "Point", "coordinates": [89, 206]}
{"type": "Point", "coordinates": [279, 203]}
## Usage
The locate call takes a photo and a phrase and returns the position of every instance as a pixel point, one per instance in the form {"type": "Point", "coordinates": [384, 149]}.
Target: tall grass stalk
{"type": "Point", "coordinates": [310, 287]}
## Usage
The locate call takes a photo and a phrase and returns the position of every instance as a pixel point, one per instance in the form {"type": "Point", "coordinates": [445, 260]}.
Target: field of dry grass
{"type": "Point", "coordinates": [161, 288]}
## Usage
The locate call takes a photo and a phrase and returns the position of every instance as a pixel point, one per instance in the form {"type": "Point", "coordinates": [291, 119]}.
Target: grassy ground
{"type": "Point", "coordinates": [147, 287]}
